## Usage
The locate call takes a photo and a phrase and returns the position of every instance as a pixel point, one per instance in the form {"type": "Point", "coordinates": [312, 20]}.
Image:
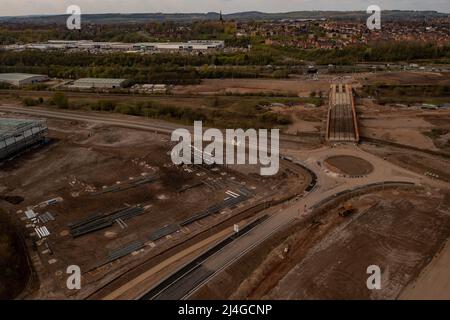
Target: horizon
{"type": "Point", "coordinates": [209, 12]}
{"type": "Point", "coordinates": [18, 8]}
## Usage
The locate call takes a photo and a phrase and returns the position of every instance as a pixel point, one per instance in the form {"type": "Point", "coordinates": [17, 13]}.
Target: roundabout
{"type": "Point", "coordinates": [349, 165]}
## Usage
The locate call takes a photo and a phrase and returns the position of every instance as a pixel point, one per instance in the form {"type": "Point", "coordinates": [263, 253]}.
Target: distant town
{"type": "Point", "coordinates": [309, 34]}
{"type": "Point", "coordinates": [339, 34]}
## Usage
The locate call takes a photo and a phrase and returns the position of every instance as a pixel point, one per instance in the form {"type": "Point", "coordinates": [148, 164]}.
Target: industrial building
{"type": "Point", "coordinates": [20, 79]}
{"type": "Point", "coordinates": [18, 134]}
{"type": "Point", "coordinates": [180, 46]}
{"type": "Point", "coordinates": [150, 88]}
{"type": "Point", "coordinates": [194, 45]}
{"type": "Point", "coordinates": [100, 83]}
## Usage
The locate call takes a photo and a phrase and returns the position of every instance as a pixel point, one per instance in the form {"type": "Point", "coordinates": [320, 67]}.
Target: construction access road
{"type": "Point", "coordinates": [117, 120]}
{"type": "Point", "coordinates": [329, 185]}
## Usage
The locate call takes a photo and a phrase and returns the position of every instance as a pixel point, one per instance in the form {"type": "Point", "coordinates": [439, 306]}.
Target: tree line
{"type": "Point", "coordinates": [177, 68]}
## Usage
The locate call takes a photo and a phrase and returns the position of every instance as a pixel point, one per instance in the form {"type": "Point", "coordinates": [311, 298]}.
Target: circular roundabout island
{"type": "Point", "coordinates": [349, 165]}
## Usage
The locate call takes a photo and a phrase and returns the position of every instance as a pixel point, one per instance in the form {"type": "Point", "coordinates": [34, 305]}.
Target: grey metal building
{"type": "Point", "coordinates": [102, 83]}
{"type": "Point", "coordinates": [20, 79]}
{"type": "Point", "coordinates": [19, 134]}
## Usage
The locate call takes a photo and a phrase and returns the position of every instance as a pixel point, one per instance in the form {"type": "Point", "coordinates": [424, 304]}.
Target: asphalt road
{"type": "Point", "coordinates": [140, 124]}
{"type": "Point", "coordinates": [119, 120]}
{"type": "Point", "coordinates": [329, 184]}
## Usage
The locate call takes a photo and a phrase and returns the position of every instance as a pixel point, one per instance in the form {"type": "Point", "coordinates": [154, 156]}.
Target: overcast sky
{"type": "Point", "coordinates": [27, 7]}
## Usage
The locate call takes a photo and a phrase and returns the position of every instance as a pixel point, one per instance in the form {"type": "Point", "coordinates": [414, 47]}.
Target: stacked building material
{"type": "Point", "coordinates": [98, 221]}
{"type": "Point", "coordinates": [46, 217]}
{"type": "Point", "coordinates": [121, 252]}
{"type": "Point", "coordinates": [125, 186]}
{"type": "Point", "coordinates": [42, 232]}
{"type": "Point", "coordinates": [227, 203]}
{"type": "Point", "coordinates": [165, 231]}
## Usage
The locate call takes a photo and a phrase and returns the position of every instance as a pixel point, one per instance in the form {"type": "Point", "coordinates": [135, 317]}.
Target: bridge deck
{"type": "Point", "coordinates": [341, 125]}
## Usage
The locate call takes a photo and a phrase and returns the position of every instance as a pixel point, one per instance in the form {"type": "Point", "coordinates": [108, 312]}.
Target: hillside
{"type": "Point", "coordinates": [239, 16]}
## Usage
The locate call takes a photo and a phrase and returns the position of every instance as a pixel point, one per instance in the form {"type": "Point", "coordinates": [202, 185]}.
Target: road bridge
{"type": "Point", "coordinates": [341, 123]}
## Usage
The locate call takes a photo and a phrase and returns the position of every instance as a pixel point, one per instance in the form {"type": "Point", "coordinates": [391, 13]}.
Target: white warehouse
{"type": "Point", "coordinates": [193, 45]}
{"type": "Point", "coordinates": [176, 46]}
{"type": "Point", "coordinates": [101, 83]}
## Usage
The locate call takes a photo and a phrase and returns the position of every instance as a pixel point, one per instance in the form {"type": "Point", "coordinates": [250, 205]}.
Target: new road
{"type": "Point", "coordinates": [131, 122]}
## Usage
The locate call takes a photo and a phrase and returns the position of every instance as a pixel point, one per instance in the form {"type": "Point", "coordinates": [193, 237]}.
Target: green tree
{"type": "Point", "coordinates": [60, 100]}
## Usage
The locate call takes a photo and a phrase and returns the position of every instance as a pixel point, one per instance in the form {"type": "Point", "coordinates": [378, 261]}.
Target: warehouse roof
{"type": "Point", "coordinates": [100, 80]}
{"type": "Point", "coordinates": [18, 76]}
{"type": "Point", "coordinates": [10, 126]}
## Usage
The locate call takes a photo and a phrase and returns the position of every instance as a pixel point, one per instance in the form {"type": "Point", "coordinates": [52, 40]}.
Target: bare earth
{"type": "Point", "coordinates": [349, 165]}
{"type": "Point", "coordinates": [83, 158]}
{"type": "Point", "coordinates": [411, 77]}
{"type": "Point", "coordinates": [398, 128]}
{"type": "Point", "coordinates": [434, 282]}
{"type": "Point", "coordinates": [302, 86]}
{"type": "Point", "coordinates": [400, 231]}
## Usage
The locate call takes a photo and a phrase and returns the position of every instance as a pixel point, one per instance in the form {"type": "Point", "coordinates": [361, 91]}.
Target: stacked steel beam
{"type": "Point", "coordinates": [97, 221]}
{"type": "Point", "coordinates": [129, 185]}
{"type": "Point", "coordinates": [126, 250]}
{"type": "Point", "coordinates": [227, 203]}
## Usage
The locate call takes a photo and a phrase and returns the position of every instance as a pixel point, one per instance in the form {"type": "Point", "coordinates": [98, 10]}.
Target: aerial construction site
{"type": "Point", "coordinates": [134, 159]}
{"type": "Point", "coordinates": [100, 192]}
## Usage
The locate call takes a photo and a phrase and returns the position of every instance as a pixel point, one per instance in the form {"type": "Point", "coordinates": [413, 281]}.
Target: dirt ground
{"type": "Point", "coordinates": [349, 165]}
{"type": "Point", "coordinates": [14, 267]}
{"type": "Point", "coordinates": [401, 126]}
{"type": "Point", "coordinates": [416, 161]}
{"type": "Point", "coordinates": [302, 86]}
{"type": "Point", "coordinates": [81, 159]}
{"type": "Point", "coordinates": [409, 77]}
{"type": "Point", "coordinates": [304, 119]}
{"type": "Point", "coordinates": [433, 283]}
{"type": "Point", "coordinates": [398, 230]}
{"type": "Point", "coordinates": [406, 126]}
